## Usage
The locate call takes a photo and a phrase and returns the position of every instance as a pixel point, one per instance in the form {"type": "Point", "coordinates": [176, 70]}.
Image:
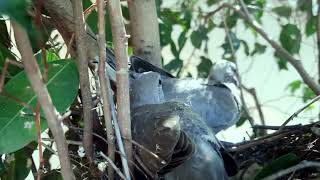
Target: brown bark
{"type": "Point", "coordinates": [33, 72]}
{"type": "Point", "coordinates": [103, 86]}
{"type": "Point", "coordinates": [120, 41]}
{"type": "Point", "coordinates": [82, 64]}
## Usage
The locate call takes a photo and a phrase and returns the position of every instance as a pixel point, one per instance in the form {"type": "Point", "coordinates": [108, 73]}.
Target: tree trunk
{"type": "Point", "coordinates": [145, 30]}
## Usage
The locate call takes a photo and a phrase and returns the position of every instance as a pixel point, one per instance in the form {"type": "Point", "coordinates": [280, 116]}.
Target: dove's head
{"type": "Point", "coordinates": [223, 72]}
{"type": "Point", "coordinates": [146, 88]}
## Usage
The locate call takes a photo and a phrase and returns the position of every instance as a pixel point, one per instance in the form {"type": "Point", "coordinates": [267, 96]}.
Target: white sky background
{"type": "Point", "coordinates": [261, 72]}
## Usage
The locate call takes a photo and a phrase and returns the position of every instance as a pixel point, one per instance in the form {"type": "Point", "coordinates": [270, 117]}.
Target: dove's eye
{"type": "Point", "coordinates": [160, 82]}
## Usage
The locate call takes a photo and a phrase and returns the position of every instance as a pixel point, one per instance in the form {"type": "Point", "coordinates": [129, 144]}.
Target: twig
{"type": "Point", "coordinates": [112, 165]}
{"type": "Point", "coordinates": [4, 70]}
{"type": "Point", "coordinates": [38, 129]}
{"type": "Point", "coordinates": [77, 143]}
{"type": "Point", "coordinates": [120, 41]}
{"type": "Point", "coordinates": [244, 104]}
{"type": "Point", "coordinates": [281, 52]}
{"type": "Point", "coordinates": [82, 63]}
{"type": "Point", "coordinates": [69, 46]}
{"type": "Point", "coordinates": [253, 93]}
{"type": "Point", "coordinates": [34, 75]}
{"type": "Point", "coordinates": [299, 111]}
{"type": "Point", "coordinates": [212, 13]}
{"type": "Point", "coordinates": [103, 85]}
{"type": "Point", "coordinates": [267, 139]}
{"type": "Point", "coordinates": [278, 127]}
{"type": "Point", "coordinates": [304, 164]}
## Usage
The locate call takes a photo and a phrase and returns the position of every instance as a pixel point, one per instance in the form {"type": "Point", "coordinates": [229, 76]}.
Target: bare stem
{"type": "Point", "coordinates": [34, 75]}
{"type": "Point", "coordinates": [82, 63]}
{"type": "Point", "coordinates": [103, 85]}
{"type": "Point", "coordinates": [120, 41]}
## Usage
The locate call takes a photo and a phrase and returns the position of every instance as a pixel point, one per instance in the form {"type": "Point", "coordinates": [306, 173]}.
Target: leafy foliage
{"type": "Point", "coordinates": [17, 122]}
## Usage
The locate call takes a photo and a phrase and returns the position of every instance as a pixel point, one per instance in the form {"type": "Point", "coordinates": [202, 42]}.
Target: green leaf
{"type": "Point", "coordinates": [182, 39]}
{"type": "Point", "coordinates": [294, 85]}
{"type": "Point", "coordinates": [284, 11]}
{"type": "Point", "coordinates": [19, 167]}
{"type": "Point", "coordinates": [198, 36]}
{"type": "Point", "coordinates": [258, 49]}
{"type": "Point", "coordinates": [165, 34]}
{"type": "Point", "coordinates": [6, 53]}
{"type": "Point", "coordinates": [304, 5]}
{"type": "Point", "coordinates": [174, 50]}
{"type": "Point", "coordinates": [311, 26]}
{"type": "Point", "coordinates": [2, 167]}
{"type": "Point", "coordinates": [290, 38]}
{"type": "Point", "coordinates": [16, 121]}
{"type": "Point", "coordinates": [246, 47]}
{"type": "Point", "coordinates": [307, 94]}
{"type": "Point", "coordinates": [243, 118]}
{"type": "Point", "coordinates": [231, 21]}
{"type": "Point", "coordinates": [278, 164]}
{"type": "Point", "coordinates": [17, 10]}
{"type": "Point", "coordinates": [282, 63]}
{"type": "Point", "coordinates": [212, 2]}
{"type": "Point", "coordinates": [227, 47]}
{"type": "Point", "coordinates": [173, 65]}
{"type": "Point", "coordinates": [204, 67]}
{"type": "Point", "coordinates": [50, 56]}
{"type": "Point", "coordinates": [92, 21]}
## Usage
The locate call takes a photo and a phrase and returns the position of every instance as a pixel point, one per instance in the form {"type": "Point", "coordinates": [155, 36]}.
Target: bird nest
{"type": "Point", "coordinates": [274, 154]}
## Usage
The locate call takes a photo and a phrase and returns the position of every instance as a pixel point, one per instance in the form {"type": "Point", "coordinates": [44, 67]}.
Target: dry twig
{"type": "Point", "coordinates": [113, 165]}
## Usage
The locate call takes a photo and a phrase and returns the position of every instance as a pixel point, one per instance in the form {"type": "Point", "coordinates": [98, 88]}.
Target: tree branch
{"type": "Point", "coordinates": [103, 86]}
{"type": "Point", "coordinates": [120, 41]}
{"type": "Point", "coordinates": [317, 98]}
{"type": "Point", "coordinates": [82, 64]}
{"type": "Point", "coordinates": [33, 72]}
{"type": "Point", "coordinates": [144, 28]}
{"type": "Point", "coordinates": [253, 93]}
{"type": "Point", "coordinates": [281, 52]}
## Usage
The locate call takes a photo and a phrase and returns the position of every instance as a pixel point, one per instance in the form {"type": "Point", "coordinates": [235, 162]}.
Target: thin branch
{"type": "Point", "coordinates": [253, 93]}
{"type": "Point", "coordinates": [4, 70]}
{"type": "Point", "coordinates": [38, 129]}
{"type": "Point", "coordinates": [318, 39]}
{"type": "Point", "coordinates": [103, 85]}
{"type": "Point", "coordinates": [299, 111]}
{"type": "Point", "coordinates": [112, 165]}
{"type": "Point", "coordinates": [281, 52]}
{"type": "Point", "coordinates": [212, 13]}
{"type": "Point", "coordinates": [244, 104]}
{"type": "Point", "coordinates": [82, 63]}
{"type": "Point", "coordinates": [278, 127]}
{"type": "Point", "coordinates": [34, 75]}
{"type": "Point", "coordinates": [304, 164]}
{"type": "Point", "coordinates": [120, 41]}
